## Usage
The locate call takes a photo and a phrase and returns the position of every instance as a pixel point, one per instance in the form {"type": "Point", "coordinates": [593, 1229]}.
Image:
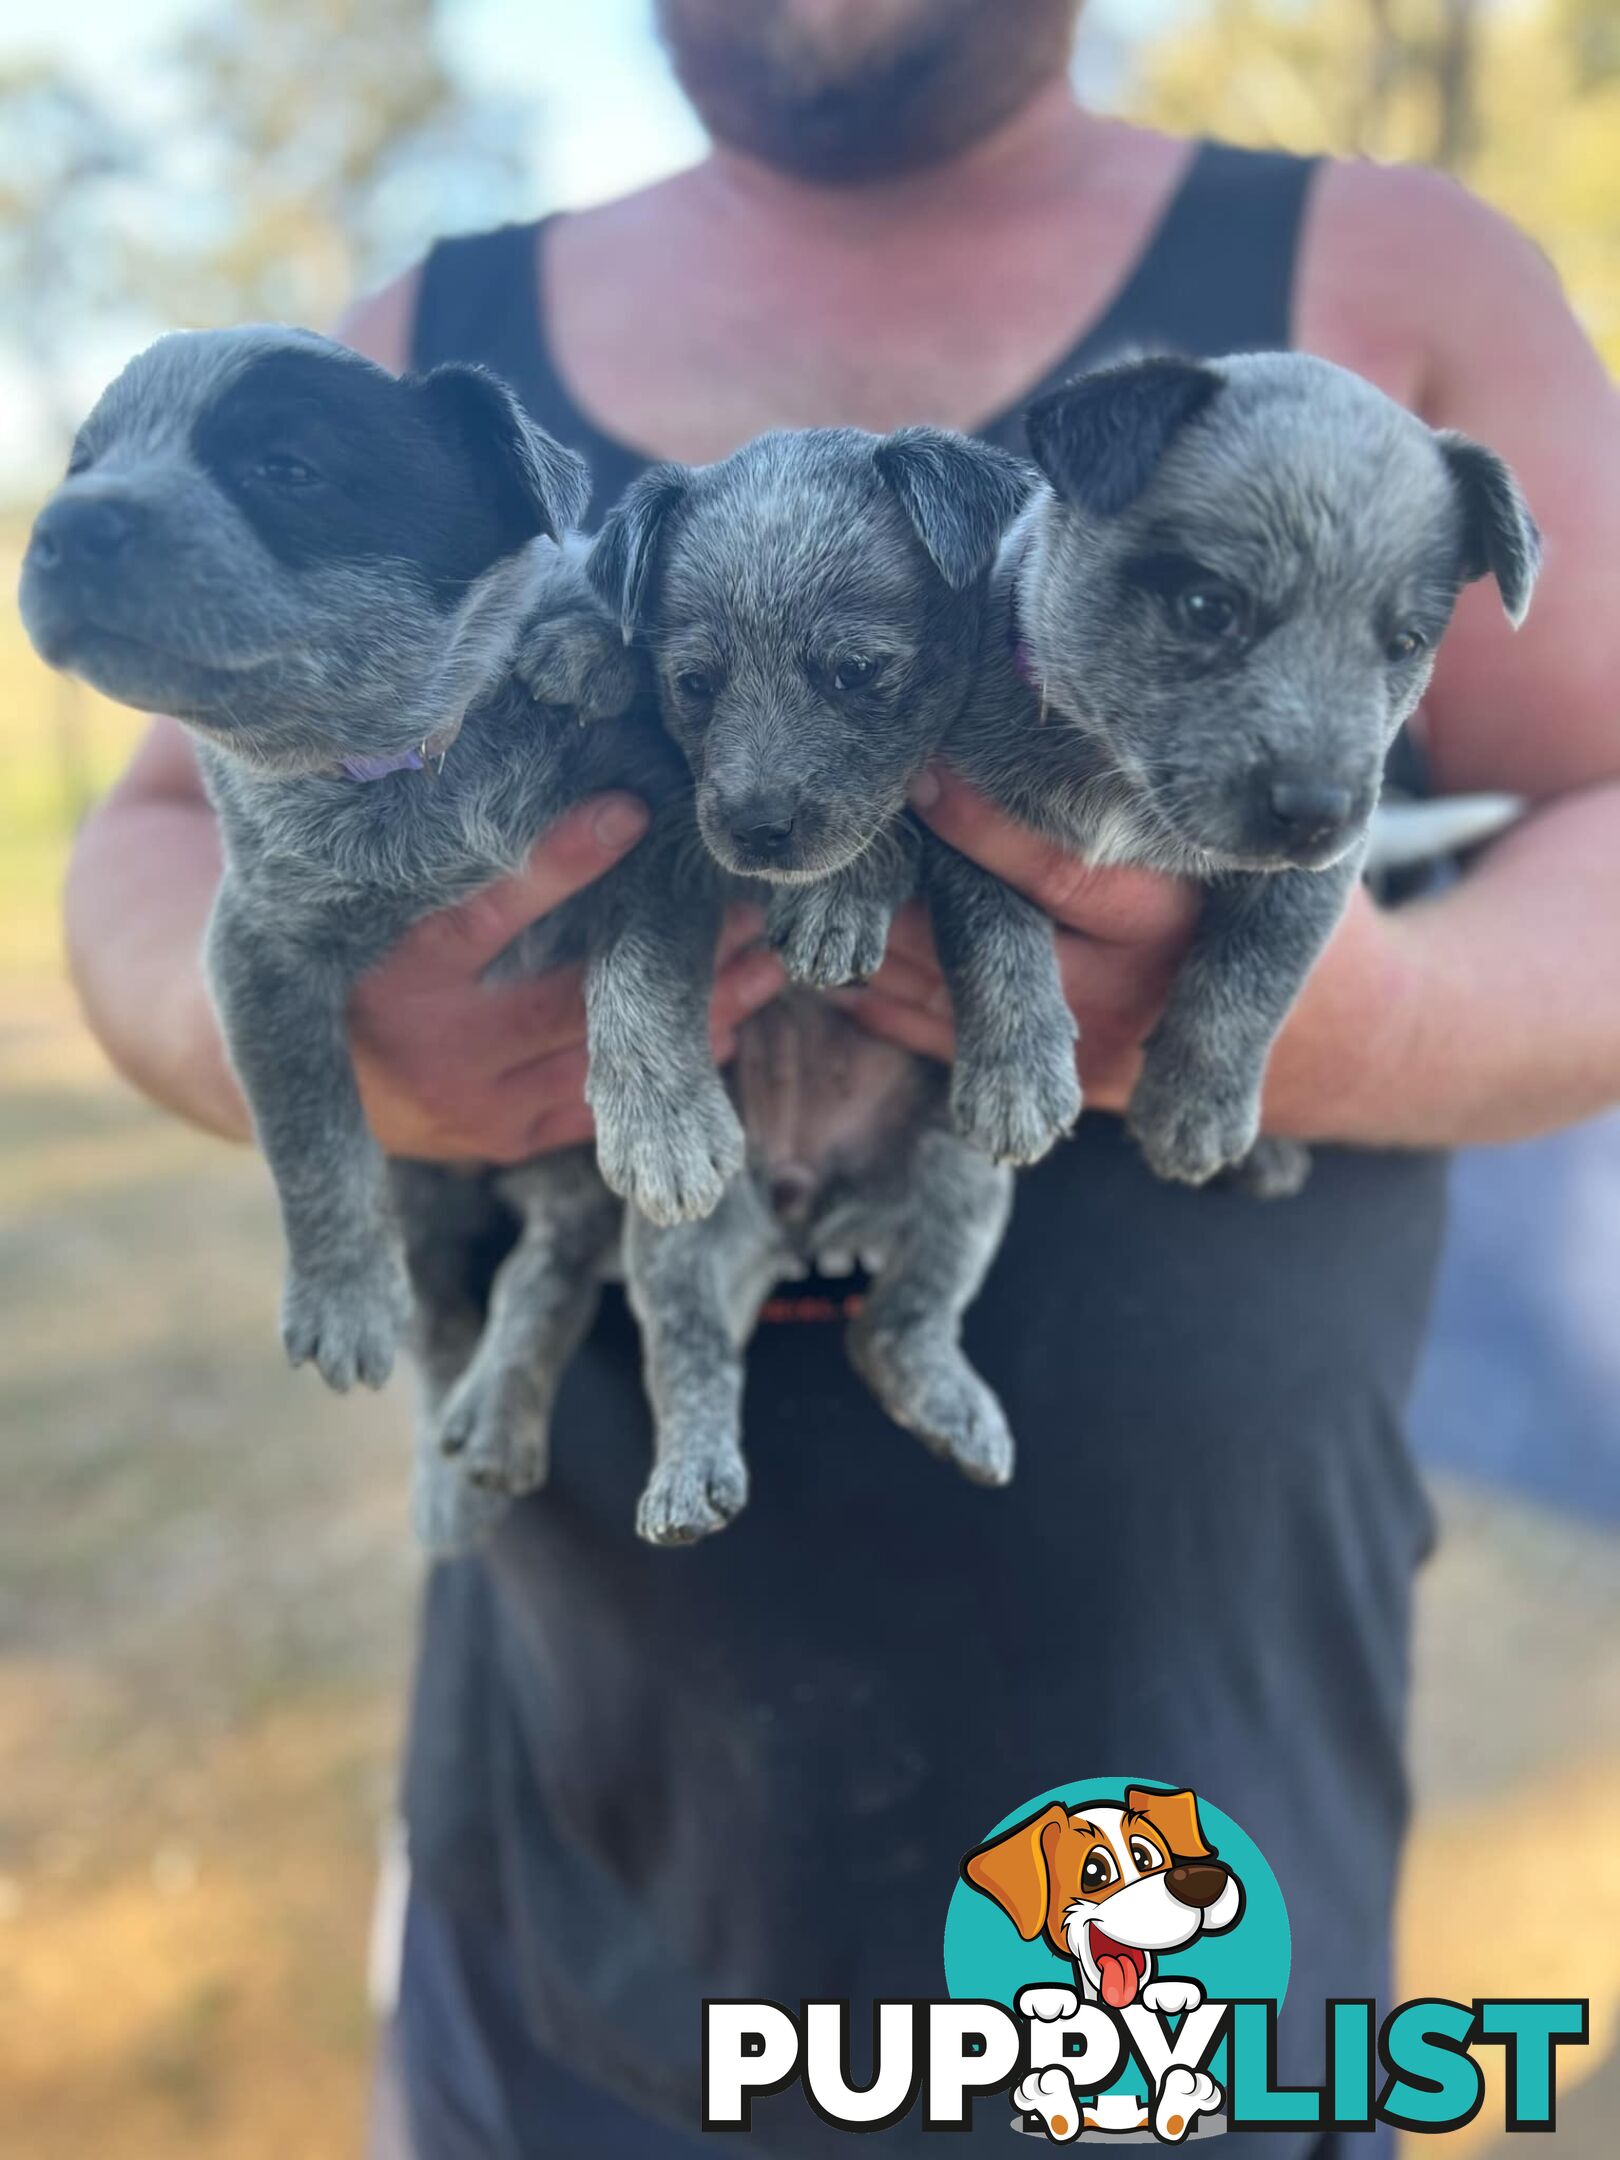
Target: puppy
{"type": "Point", "coordinates": [812, 606]}
{"type": "Point", "coordinates": [349, 589]}
{"type": "Point", "coordinates": [1204, 635]}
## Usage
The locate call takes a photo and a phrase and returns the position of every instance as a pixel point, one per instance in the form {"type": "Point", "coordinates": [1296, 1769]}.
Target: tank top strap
{"type": "Point", "coordinates": [1218, 274]}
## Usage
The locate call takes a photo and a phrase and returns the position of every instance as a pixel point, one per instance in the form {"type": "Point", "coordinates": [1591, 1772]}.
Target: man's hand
{"type": "Point", "coordinates": [454, 1069]}
{"type": "Point", "coordinates": [1121, 935]}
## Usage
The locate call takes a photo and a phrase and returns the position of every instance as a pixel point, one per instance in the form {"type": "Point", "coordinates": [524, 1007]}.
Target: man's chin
{"type": "Point", "coordinates": [919, 90]}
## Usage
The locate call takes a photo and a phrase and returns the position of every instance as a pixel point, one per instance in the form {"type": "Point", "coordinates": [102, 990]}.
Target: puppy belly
{"type": "Point", "coordinates": [830, 1113]}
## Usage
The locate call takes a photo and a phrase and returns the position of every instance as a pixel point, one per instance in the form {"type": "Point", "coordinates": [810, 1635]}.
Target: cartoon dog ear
{"type": "Point", "coordinates": [539, 488]}
{"type": "Point", "coordinates": [1100, 438]}
{"type": "Point", "coordinates": [960, 496]}
{"type": "Point", "coordinates": [1500, 537]}
{"type": "Point", "coordinates": [1175, 1816]}
{"type": "Point", "coordinates": [1015, 1869]}
{"type": "Point", "coordinates": [624, 553]}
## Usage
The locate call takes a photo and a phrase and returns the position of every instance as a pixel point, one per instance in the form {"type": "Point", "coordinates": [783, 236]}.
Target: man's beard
{"type": "Point", "coordinates": [845, 91]}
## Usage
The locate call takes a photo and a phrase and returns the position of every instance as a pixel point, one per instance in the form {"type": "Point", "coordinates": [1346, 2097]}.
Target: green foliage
{"type": "Point", "coordinates": [1522, 100]}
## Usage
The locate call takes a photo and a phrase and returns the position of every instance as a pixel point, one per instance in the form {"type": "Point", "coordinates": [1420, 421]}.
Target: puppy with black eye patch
{"type": "Point", "coordinates": [1205, 632]}
{"type": "Point", "coordinates": [350, 588]}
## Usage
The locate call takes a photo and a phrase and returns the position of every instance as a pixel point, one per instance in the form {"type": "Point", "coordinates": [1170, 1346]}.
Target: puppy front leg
{"type": "Point", "coordinates": [836, 930]}
{"type": "Point", "coordinates": [1014, 1087]}
{"type": "Point", "coordinates": [1195, 1109]}
{"type": "Point", "coordinates": [906, 1342]}
{"type": "Point", "coordinates": [667, 1138]}
{"type": "Point", "coordinates": [346, 1297]}
{"type": "Point", "coordinates": [497, 1420]}
{"type": "Point", "coordinates": [696, 1289]}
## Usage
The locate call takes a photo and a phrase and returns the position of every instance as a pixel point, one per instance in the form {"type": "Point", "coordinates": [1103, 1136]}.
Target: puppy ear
{"type": "Point", "coordinates": [1014, 1869]}
{"type": "Point", "coordinates": [624, 553]}
{"type": "Point", "coordinates": [1500, 537]}
{"type": "Point", "coordinates": [1175, 1816]}
{"type": "Point", "coordinates": [1100, 438]}
{"type": "Point", "coordinates": [960, 496]}
{"type": "Point", "coordinates": [541, 488]}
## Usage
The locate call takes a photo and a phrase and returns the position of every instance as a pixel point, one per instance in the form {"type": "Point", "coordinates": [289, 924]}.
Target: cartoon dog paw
{"type": "Point", "coordinates": [1050, 2093]}
{"type": "Point", "coordinates": [1183, 2097]}
{"type": "Point", "coordinates": [1051, 2005]}
{"type": "Point", "coordinates": [1171, 1997]}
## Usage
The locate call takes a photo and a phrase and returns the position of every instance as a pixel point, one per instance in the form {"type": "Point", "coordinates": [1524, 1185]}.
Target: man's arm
{"type": "Point", "coordinates": [1492, 1011]}
{"type": "Point", "coordinates": [450, 1068]}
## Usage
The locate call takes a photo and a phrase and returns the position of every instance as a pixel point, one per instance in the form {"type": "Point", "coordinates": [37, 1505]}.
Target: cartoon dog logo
{"type": "Point", "coordinates": [1112, 1889]}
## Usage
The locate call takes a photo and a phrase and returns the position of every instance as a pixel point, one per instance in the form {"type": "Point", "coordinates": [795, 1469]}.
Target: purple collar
{"type": "Point", "coordinates": [431, 751]}
{"type": "Point", "coordinates": [379, 768]}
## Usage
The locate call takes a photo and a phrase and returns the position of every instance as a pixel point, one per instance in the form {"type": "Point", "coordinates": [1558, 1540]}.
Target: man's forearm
{"type": "Point", "coordinates": [139, 892]}
{"type": "Point", "coordinates": [1489, 1013]}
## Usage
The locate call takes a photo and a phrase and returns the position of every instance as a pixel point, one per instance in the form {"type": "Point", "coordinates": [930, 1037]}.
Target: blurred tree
{"type": "Point", "coordinates": [63, 164]}
{"type": "Point", "coordinates": [336, 141]}
{"type": "Point", "coordinates": [1523, 102]}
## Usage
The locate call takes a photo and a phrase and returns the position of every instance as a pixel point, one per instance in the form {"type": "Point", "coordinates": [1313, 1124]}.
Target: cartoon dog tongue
{"type": "Point", "coordinates": [1118, 1972]}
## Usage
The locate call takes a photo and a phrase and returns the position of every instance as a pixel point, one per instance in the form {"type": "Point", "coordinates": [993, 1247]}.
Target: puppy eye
{"type": "Point", "coordinates": [282, 470]}
{"type": "Point", "coordinates": [1099, 1870]}
{"type": "Point", "coordinates": [855, 671]}
{"type": "Point", "coordinates": [1146, 1857]}
{"type": "Point", "coordinates": [1406, 644]}
{"type": "Point", "coordinates": [1210, 611]}
{"type": "Point", "coordinates": [695, 683]}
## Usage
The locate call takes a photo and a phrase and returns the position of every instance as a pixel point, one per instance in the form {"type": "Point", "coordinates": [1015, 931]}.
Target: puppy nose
{"type": "Point", "coordinates": [763, 825]}
{"type": "Point", "coordinates": [88, 529]}
{"type": "Point", "coordinates": [1307, 811]}
{"type": "Point", "coordinates": [1196, 1884]}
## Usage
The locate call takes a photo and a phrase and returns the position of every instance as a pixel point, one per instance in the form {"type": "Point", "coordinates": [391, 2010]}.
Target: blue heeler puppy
{"type": "Point", "coordinates": [349, 588]}
{"type": "Point", "coordinates": [1205, 632]}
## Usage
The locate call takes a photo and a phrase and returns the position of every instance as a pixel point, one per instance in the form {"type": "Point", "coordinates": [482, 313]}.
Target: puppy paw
{"type": "Point", "coordinates": [347, 1322]}
{"type": "Point", "coordinates": [934, 1392]}
{"type": "Point", "coordinates": [691, 1495]}
{"type": "Point", "coordinates": [497, 1426]}
{"type": "Point", "coordinates": [1048, 2005]}
{"type": "Point", "coordinates": [1015, 1106]}
{"type": "Point", "coordinates": [824, 937]}
{"type": "Point", "coordinates": [448, 1512]}
{"type": "Point", "coordinates": [670, 1156]}
{"type": "Point", "coordinates": [1273, 1169]}
{"type": "Point", "coordinates": [1170, 1998]}
{"type": "Point", "coordinates": [1191, 1129]}
{"type": "Point", "coordinates": [578, 660]}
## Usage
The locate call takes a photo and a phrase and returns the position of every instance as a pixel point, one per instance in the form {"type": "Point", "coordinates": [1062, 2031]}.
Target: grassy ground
{"type": "Point", "coordinates": [205, 1589]}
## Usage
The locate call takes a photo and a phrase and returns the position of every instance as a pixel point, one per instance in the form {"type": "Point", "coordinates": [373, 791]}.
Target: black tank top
{"type": "Point", "coordinates": [751, 1768]}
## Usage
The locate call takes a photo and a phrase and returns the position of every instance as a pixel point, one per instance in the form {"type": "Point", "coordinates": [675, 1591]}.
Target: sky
{"type": "Point", "coordinates": [608, 116]}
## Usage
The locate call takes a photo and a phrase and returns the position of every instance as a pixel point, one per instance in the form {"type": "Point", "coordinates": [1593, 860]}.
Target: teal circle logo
{"type": "Point", "coordinates": [987, 1958]}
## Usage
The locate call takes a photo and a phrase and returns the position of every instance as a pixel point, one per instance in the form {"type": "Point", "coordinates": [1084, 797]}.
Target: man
{"type": "Point", "coordinates": [637, 1778]}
